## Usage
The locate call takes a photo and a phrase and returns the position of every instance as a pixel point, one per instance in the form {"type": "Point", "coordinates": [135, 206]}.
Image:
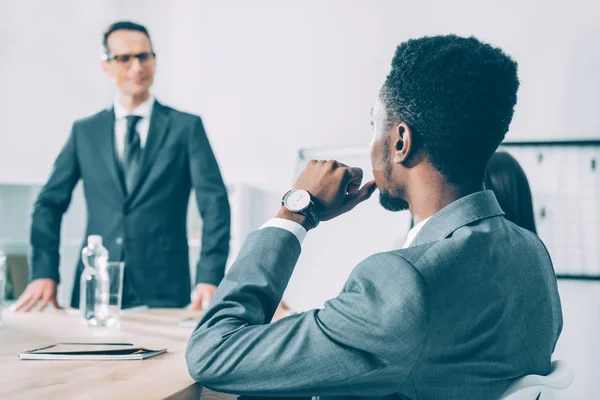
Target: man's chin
{"type": "Point", "coordinates": [392, 203]}
{"type": "Point", "coordinates": [137, 90]}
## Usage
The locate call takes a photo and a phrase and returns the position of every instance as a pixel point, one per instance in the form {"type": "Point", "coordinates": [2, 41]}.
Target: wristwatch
{"type": "Point", "coordinates": [300, 201]}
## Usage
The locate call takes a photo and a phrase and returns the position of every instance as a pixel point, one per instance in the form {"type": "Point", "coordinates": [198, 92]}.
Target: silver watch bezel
{"type": "Point", "coordinates": [289, 193]}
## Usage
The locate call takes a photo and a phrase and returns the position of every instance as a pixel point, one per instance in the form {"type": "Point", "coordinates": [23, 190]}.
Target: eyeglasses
{"type": "Point", "coordinates": [126, 59]}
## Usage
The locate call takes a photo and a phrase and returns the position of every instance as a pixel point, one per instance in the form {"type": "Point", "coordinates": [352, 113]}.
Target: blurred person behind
{"type": "Point", "coordinates": [505, 177]}
{"type": "Point", "coordinates": [139, 161]}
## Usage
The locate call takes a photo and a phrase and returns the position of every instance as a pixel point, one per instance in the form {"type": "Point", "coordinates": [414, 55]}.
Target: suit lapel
{"type": "Point", "coordinates": [157, 134]}
{"type": "Point", "coordinates": [106, 148]}
{"type": "Point", "coordinates": [464, 211]}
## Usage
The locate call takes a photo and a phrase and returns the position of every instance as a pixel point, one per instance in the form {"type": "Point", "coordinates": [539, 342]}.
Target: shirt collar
{"type": "Point", "coordinates": [144, 110]}
{"type": "Point", "coordinates": [464, 211]}
{"type": "Point", "coordinates": [414, 232]}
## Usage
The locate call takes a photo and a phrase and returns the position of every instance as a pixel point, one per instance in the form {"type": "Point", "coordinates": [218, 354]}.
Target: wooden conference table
{"type": "Point", "coordinates": [161, 377]}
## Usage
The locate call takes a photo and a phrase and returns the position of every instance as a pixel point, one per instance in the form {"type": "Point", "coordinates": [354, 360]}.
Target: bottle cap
{"type": "Point", "coordinates": [95, 240]}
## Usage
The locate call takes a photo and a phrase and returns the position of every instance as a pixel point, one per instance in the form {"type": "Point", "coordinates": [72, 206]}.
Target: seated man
{"type": "Point", "coordinates": [466, 307]}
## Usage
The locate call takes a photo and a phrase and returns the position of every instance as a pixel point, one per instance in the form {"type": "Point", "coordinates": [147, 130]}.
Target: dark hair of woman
{"type": "Point", "coordinates": [505, 177]}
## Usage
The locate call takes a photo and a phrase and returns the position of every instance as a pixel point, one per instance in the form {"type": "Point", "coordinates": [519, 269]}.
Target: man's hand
{"type": "Point", "coordinates": [41, 291]}
{"type": "Point", "coordinates": [334, 186]}
{"type": "Point", "coordinates": [203, 294]}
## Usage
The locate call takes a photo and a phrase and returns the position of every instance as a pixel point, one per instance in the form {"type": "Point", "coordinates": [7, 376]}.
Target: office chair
{"type": "Point", "coordinates": [534, 387]}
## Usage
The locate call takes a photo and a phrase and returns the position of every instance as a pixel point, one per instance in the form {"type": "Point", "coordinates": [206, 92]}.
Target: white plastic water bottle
{"type": "Point", "coordinates": [94, 257]}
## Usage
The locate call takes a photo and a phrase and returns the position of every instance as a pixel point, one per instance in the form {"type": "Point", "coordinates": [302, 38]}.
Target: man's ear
{"type": "Point", "coordinates": [106, 68]}
{"type": "Point", "coordinates": [402, 140]}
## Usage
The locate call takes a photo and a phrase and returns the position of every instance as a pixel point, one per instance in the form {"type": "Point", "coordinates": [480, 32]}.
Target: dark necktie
{"type": "Point", "coordinates": [132, 153]}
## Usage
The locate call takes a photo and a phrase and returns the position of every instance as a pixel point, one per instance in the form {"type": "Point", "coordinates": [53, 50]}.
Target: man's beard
{"type": "Point", "coordinates": [392, 203]}
{"type": "Point", "coordinates": [386, 199]}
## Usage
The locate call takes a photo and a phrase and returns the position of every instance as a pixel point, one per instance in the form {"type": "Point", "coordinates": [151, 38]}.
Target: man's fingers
{"type": "Point", "coordinates": [206, 300]}
{"type": "Point", "coordinates": [352, 179]}
{"type": "Point", "coordinates": [197, 301]}
{"type": "Point", "coordinates": [49, 296]}
{"type": "Point", "coordinates": [196, 306]}
{"type": "Point", "coordinates": [23, 299]}
{"type": "Point", "coordinates": [55, 303]}
{"type": "Point", "coordinates": [355, 174]}
{"type": "Point", "coordinates": [367, 190]}
{"type": "Point", "coordinates": [45, 300]}
{"type": "Point", "coordinates": [33, 300]}
{"type": "Point", "coordinates": [361, 195]}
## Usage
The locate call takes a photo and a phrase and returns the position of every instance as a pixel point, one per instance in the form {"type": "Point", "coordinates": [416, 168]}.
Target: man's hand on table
{"type": "Point", "coordinates": [202, 295]}
{"type": "Point", "coordinates": [40, 291]}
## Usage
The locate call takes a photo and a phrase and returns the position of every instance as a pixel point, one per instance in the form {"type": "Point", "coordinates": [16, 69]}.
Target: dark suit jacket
{"type": "Point", "coordinates": [468, 308]}
{"type": "Point", "coordinates": [146, 228]}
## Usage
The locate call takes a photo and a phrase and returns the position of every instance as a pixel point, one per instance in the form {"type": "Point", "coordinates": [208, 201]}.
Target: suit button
{"type": "Point", "coordinates": [119, 241]}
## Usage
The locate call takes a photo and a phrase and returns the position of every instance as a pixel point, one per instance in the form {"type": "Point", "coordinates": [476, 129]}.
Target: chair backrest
{"type": "Point", "coordinates": [530, 387]}
{"type": "Point", "coordinates": [17, 273]}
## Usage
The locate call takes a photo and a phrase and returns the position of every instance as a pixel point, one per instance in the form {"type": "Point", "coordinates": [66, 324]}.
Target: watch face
{"type": "Point", "coordinates": [297, 200]}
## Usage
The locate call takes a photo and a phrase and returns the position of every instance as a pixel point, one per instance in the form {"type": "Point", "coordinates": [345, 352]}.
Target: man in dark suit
{"type": "Point", "coordinates": [138, 161]}
{"type": "Point", "coordinates": [466, 307]}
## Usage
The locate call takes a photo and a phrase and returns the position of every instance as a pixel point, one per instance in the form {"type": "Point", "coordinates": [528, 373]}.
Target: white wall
{"type": "Point", "coordinates": [269, 77]}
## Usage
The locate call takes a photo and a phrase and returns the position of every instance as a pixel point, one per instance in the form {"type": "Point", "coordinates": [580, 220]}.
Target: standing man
{"type": "Point", "coordinates": [138, 161]}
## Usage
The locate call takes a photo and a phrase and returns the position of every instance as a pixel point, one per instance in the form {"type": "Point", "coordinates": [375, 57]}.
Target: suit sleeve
{"type": "Point", "coordinates": [363, 342]}
{"type": "Point", "coordinates": [51, 204]}
{"type": "Point", "coordinates": [213, 205]}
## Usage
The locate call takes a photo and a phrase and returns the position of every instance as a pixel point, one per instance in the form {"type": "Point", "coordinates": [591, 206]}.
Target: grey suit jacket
{"type": "Point", "coordinates": [468, 308]}
{"type": "Point", "coordinates": [147, 227]}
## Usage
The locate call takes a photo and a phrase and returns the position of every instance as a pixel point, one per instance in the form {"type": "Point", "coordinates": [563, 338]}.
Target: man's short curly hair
{"type": "Point", "coordinates": [457, 95]}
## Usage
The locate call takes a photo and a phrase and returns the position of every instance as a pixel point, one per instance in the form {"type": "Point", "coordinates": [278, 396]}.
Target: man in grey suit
{"type": "Point", "coordinates": [466, 307]}
{"type": "Point", "coordinates": [138, 162]}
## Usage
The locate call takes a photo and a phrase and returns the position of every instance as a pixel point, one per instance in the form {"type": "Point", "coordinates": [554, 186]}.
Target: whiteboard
{"type": "Point", "coordinates": [565, 183]}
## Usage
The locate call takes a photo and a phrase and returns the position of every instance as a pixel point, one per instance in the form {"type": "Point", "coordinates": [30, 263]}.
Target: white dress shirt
{"type": "Point", "coordinates": [293, 227]}
{"type": "Point", "coordinates": [144, 110]}
{"type": "Point", "coordinates": [298, 230]}
{"type": "Point", "coordinates": [412, 234]}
